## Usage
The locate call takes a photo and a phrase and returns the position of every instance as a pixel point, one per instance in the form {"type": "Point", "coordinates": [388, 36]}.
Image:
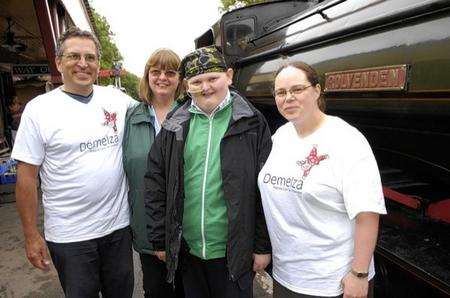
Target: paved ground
{"type": "Point", "coordinates": [19, 279]}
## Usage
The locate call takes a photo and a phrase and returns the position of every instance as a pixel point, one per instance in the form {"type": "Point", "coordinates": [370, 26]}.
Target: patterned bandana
{"type": "Point", "coordinates": [203, 60]}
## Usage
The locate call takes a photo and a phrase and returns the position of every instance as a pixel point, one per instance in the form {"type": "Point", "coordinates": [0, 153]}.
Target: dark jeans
{"type": "Point", "coordinates": [279, 291]}
{"type": "Point", "coordinates": [154, 276]}
{"type": "Point", "coordinates": [88, 267]}
{"type": "Point", "coordinates": [210, 279]}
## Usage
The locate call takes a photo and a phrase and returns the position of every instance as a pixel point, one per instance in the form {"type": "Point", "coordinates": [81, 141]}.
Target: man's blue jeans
{"type": "Point", "coordinates": [103, 265]}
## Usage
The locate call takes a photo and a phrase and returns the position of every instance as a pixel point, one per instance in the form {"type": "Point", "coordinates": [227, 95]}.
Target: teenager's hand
{"type": "Point", "coordinates": [161, 255]}
{"type": "Point", "coordinates": [260, 262]}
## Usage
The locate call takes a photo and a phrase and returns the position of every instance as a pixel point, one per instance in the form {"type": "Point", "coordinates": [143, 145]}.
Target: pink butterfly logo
{"type": "Point", "coordinates": [110, 119]}
{"type": "Point", "coordinates": [310, 161]}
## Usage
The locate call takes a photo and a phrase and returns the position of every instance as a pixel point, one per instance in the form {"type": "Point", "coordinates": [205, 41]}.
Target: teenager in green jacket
{"type": "Point", "coordinates": [201, 192]}
{"type": "Point", "coordinates": [159, 88]}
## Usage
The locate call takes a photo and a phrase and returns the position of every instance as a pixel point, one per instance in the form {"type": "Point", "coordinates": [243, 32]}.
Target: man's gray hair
{"type": "Point", "coordinates": [73, 32]}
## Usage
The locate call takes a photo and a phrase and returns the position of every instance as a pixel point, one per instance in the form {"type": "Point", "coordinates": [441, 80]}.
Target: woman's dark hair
{"type": "Point", "coordinates": [311, 76]}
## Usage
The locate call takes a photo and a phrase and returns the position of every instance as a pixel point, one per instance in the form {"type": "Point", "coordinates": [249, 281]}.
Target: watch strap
{"type": "Point", "coordinates": [359, 274]}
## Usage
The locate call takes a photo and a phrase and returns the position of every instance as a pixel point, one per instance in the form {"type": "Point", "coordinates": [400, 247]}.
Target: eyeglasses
{"type": "Point", "coordinates": [168, 73]}
{"type": "Point", "coordinates": [75, 57]}
{"type": "Point", "coordinates": [295, 90]}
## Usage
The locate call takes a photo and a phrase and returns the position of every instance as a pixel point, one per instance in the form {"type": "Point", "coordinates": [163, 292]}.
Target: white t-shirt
{"type": "Point", "coordinates": [78, 147]}
{"type": "Point", "coordinates": [312, 188]}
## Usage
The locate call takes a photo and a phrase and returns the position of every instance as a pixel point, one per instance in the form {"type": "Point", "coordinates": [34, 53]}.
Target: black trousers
{"type": "Point", "coordinates": [280, 291]}
{"type": "Point", "coordinates": [103, 265]}
{"type": "Point", "coordinates": [154, 274]}
{"type": "Point", "coordinates": [210, 279]}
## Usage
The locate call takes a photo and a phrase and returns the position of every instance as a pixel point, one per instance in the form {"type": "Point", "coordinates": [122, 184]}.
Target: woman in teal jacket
{"type": "Point", "coordinates": [159, 88]}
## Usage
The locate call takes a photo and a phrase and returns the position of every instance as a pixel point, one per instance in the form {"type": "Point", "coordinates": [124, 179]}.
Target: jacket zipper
{"type": "Point", "coordinates": [204, 189]}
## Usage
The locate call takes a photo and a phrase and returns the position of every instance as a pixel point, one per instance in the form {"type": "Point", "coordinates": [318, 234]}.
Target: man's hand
{"type": "Point", "coordinates": [161, 255]}
{"type": "Point", "coordinates": [355, 287]}
{"type": "Point", "coordinates": [260, 262]}
{"type": "Point", "coordinates": [37, 252]}
{"type": "Point", "coordinates": [27, 206]}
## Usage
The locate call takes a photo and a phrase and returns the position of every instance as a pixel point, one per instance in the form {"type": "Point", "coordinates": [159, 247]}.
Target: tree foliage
{"type": "Point", "coordinates": [131, 83]}
{"type": "Point", "coordinates": [111, 54]}
{"type": "Point", "coordinates": [232, 4]}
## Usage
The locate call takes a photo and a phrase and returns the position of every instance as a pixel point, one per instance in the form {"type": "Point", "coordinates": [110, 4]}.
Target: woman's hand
{"type": "Point", "coordinates": [355, 287]}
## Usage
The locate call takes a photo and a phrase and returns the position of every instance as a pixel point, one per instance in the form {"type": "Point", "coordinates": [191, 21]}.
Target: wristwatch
{"type": "Point", "coordinates": [359, 274]}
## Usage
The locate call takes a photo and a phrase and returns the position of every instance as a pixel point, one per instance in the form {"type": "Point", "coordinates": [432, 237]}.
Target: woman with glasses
{"type": "Point", "coordinates": [321, 194]}
{"type": "Point", "coordinates": [159, 87]}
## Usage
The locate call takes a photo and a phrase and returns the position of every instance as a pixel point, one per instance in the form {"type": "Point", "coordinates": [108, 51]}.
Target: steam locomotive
{"type": "Point", "coordinates": [385, 68]}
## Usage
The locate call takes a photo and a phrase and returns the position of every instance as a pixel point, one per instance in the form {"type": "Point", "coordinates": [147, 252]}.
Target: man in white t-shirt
{"type": "Point", "coordinates": [72, 138]}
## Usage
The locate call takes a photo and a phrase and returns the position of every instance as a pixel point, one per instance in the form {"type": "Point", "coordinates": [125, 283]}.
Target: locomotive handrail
{"type": "Point", "coordinates": [318, 10]}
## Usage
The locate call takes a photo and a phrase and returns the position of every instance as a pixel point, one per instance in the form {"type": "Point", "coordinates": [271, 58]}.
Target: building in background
{"type": "Point", "coordinates": [29, 30]}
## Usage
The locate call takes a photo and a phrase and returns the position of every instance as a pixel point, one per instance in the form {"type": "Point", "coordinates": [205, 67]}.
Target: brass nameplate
{"type": "Point", "coordinates": [383, 78]}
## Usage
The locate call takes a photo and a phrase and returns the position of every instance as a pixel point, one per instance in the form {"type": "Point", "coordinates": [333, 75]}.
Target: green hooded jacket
{"type": "Point", "coordinates": [205, 223]}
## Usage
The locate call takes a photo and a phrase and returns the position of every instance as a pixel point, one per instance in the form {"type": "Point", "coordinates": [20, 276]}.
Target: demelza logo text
{"type": "Point", "coordinates": [100, 144]}
{"type": "Point", "coordinates": [292, 183]}
{"type": "Point", "coordinates": [284, 183]}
